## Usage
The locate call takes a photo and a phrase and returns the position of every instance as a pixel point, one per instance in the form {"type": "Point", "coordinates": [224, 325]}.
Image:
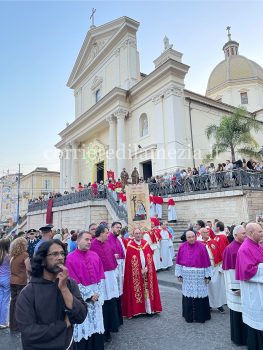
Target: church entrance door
{"type": "Point", "coordinates": [100, 171]}
{"type": "Point", "coordinates": [147, 169]}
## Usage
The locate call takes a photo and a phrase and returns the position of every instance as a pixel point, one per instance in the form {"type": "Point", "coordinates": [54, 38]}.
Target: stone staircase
{"type": "Point", "coordinates": [178, 227]}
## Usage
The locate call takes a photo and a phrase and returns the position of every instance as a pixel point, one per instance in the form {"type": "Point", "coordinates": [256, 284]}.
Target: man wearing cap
{"type": "Point", "coordinates": [32, 242]}
{"type": "Point", "coordinates": [46, 235]}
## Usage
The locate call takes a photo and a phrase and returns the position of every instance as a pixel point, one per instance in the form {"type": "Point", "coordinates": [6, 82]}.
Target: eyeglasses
{"type": "Point", "coordinates": [56, 254]}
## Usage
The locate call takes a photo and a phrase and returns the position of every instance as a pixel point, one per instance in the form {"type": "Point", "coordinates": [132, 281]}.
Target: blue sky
{"type": "Point", "coordinates": [40, 41]}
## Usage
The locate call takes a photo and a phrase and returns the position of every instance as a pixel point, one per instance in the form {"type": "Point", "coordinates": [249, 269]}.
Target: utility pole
{"type": "Point", "coordinates": [18, 195]}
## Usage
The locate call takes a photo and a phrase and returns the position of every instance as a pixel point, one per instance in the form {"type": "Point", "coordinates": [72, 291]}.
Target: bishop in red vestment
{"type": "Point", "coordinates": [140, 291]}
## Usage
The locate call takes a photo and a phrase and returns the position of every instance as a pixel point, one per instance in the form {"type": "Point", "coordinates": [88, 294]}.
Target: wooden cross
{"type": "Point", "coordinates": [92, 17]}
{"type": "Point", "coordinates": [229, 34]}
{"type": "Point", "coordinates": [134, 203]}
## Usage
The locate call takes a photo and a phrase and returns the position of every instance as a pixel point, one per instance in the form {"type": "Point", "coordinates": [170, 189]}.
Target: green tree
{"type": "Point", "coordinates": [233, 135]}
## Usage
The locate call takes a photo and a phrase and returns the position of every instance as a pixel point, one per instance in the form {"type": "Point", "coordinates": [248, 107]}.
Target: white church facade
{"type": "Point", "coordinates": [126, 119]}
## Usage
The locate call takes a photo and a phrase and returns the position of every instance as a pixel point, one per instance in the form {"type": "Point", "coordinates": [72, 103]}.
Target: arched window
{"type": "Point", "coordinates": [244, 98]}
{"type": "Point", "coordinates": [143, 125]}
{"type": "Point", "coordinates": [97, 95]}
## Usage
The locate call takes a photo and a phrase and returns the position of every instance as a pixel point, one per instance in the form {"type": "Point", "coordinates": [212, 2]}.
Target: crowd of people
{"type": "Point", "coordinates": [217, 267]}
{"type": "Point", "coordinates": [61, 288]}
{"type": "Point", "coordinates": [182, 179]}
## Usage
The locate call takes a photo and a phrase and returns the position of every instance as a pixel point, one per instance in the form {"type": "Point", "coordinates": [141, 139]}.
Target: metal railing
{"type": "Point", "coordinates": [120, 210]}
{"type": "Point", "coordinates": [71, 198]}
{"type": "Point", "coordinates": [212, 182]}
{"type": "Point", "coordinates": [82, 196]}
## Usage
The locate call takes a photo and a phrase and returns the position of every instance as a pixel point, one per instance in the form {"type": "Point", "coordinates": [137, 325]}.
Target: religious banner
{"type": "Point", "coordinates": [138, 206]}
{"type": "Point", "coordinates": [110, 175]}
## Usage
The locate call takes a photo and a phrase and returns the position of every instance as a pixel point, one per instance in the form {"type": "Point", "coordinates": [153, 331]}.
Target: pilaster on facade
{"type": "Point", "coordinates": [112, 143]}
{"type": "Point", "coordinates": [120, 113]}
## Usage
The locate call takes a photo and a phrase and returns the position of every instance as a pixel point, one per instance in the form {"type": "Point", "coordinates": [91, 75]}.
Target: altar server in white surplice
{"type": "Point", "coordinates": [165, 247]}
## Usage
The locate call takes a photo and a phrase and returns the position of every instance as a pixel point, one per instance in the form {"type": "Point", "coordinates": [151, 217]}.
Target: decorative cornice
{"type": "Point", "coordinates": [97, 81]}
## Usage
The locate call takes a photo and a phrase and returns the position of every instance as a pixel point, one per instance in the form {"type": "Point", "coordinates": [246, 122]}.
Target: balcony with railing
{"type": "Point", "coordinates": [212, 182]}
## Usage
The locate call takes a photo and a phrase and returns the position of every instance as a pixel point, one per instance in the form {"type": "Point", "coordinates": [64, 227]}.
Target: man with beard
{"type": "Point", "coordinates": [114, 239]}
{"type": "Point", "coordinates": [111, 308]}
{"type": "Point", "coordinates": [51, 303]}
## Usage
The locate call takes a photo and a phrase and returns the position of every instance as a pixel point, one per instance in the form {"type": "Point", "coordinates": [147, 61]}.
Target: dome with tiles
{"type": "Point", "coordinates": [233, 69]}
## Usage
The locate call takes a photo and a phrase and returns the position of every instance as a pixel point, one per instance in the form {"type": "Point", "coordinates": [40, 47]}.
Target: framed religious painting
{"type": "Point", "coordinates": [138, 206]}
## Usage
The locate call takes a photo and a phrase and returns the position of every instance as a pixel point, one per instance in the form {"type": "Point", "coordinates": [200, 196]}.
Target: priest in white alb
{"type": "Point", "coordinates": [172, 217]}
{"type": "Point", "coordinates": [165, 247]}
{"type": "Point", "coordinates": [249, 271]}
{"type": "Point", "coordinates": [216, 288]}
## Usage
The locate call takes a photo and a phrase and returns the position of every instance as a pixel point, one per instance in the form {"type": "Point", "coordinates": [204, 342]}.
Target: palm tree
{"type": "Point", "coordinates": [233, 135]}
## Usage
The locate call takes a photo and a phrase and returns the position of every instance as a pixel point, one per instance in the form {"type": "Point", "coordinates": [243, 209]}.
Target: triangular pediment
{"type": "Point", "coordinates": [97, 41]}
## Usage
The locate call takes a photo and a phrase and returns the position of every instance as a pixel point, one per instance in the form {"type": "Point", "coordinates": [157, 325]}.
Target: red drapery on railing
{"type": "Point", "coordinates": [49, 215]}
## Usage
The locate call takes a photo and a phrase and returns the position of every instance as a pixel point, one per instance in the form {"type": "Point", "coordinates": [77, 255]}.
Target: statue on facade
{"type": "Point", "coordinates": [166, 43]}
{"type": "Point", "coordinates": [124, 178]}
{"type": "Point", "coordinates": [135, 176]}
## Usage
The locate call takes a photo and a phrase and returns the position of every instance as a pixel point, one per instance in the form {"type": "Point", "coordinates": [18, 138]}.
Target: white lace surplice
{"type": "Point", "coordinates": [120, 274]}
{"type": "Point", "coordinates": [94, 320]}
{"type": "Point", "coordinates": [194, 285]}
{"type": "Point", "coordinates": [111, 288]}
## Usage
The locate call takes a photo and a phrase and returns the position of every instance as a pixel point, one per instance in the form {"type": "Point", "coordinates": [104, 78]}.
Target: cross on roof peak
{"type": "Point", "coordinates": [92, 17]}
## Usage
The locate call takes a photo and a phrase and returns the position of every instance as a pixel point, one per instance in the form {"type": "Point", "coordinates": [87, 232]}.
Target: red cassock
{"type": "Point", "coordinates": [111, 186]}
{"type": "Point", "coordinates": [155, 221]}
{"type": "Point", "coordinates": [118, 184]}
{"type": "Point", "coordinates": [135, 285]}
{"type": "Point", "coordinates": [95, 188]}
{"type": "Point", "coordinates": [124, 241]}
{"type": "Point", "coordinates": [215, 250]}
{"type": "Point", "coordinates": [159, 200]}
{"type": "Point", "coordinates": [171, 202]}
{"type": "Point", "coordinates": [211, 233]}
{"type": "Point", "coordinates": [222, 242]}
{"type": "Point", "coordinates": [152, 236]}
{"type": "Point", "coordinates": [157, 233]}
